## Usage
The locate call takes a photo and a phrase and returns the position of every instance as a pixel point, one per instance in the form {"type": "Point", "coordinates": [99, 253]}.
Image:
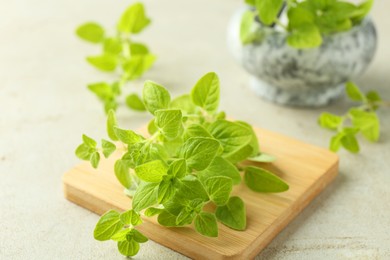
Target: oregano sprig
{"type": "Point", "coordinates": [361, 119]}
{"type": "Point", "coordinates": [308, 20]}
{"type": "Point", "coordinates": [119, 52]}
{"type": "Point", "coordinates": [190, 158]}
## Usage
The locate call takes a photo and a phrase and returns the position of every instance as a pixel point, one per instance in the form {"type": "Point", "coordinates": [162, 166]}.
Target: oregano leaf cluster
{"type": "Point", "coordinates": [307, 21]}
{"type": "Point", "coordinates": [361, 119]}
{"type": "Point", "coordinates": [119, 53]}
{"type": "Point", "coordinates": [191, 157]}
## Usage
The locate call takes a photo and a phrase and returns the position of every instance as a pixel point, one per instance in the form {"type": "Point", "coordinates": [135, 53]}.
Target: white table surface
{"type": "Point", "coordinates": [45, 107]}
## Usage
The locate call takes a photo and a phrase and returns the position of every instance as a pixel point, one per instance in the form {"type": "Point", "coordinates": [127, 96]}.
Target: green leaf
{"type": "Point", "coordinates": [373, 96]}
{"type": "Point", "coordinates": [219, 189]}
{"type": "Point", "coordinates": [298, 16]}
{"type": "Point", "coordinates": [254, 142]}
{"type": "Point", "coordinates": [199, 152]}
{"type": "Point", "coordinates": [239, 155]}
{"type": "Point", "coordinates": [205, 93]}
{"type": "Point", "coordinates": [151, 171]}
{"type": "Point", "coordinates": [246, 33]}
{"type": "Point", "coordinates": [354, 92]}
{"type": "Point", "coordinates": [89, 141]}
{"type": "Point", "coordinates": [155, 97]}
{"type": "Point", "coordinates": [183, 103]}
{"type": "Point", "coordinates": [329, 121]}
{"type": "Point", "coordinates": [121, 235]}
{"type": "Point", "coordinates": [95, 158]}
{"type": "Point", "coordinates": [169, 122]}
{"type": "Point", "coordinates": [133, 101]}
{"type": "Point", "coordinates": [130, 217]}
{"type": "Point", "coordinates": [108, 148]}
{"type": "Point", "coordinates": [367, 122]}
{"type": "Point", "coordinates": [128, 248]}
{"type": "Point", "coordinates": [305, 36]}
{"type": "Point", "coordinates": [261, 180]}
{"type": "Point", "coordinates": [196, 130]}
{"type": "Point", "coordinates": [108, 225]}
{"type": "Point", "coordinates": [191, 189]}
{"type": "Point", "coordinates": [268, 10]}
{"type": "Point", "coordinates": [137, 65]}
{"type": "Point", "coordinates": [102, 90]}
{"type": "Point", "coordinates": [150, 212]}
{"type": "Point", "coordinates": [112, 46]}
{"type": "Point", "coordinates": [231, 135]}
{"type": "Point", "coordinates": [167, 219]}
{"type": "Point", "coordinates": [350, 143]}
{"type": "Point", "coordinates": [139, 237]}
{"type": "Point", "coordinates": [111, 124]}
{"type": "Point", "coordinates": [134, 19]}
{"type": "Point", "coordinates": [250, 2]}
{"type": "Point", "coordinates": [220, 167]}
{"type": "Point", "coordinates": [84, 152]}
{"type": "Point", "coordinates": [206, 224]}
{"type": "Point", "coordinates": [138, 49]}
{"type": "Point", "coordinates": [127, 136]}
{"type": "Point", "coordinates": [145, 196]}
{"type": "Point", "coordinates": [104, 62]}
{"type": "Point", "coordinates": [363, 9]}
{"type": "Point", "coordinates": [233, 214]}
{"type": "Point", "coordinates": [166, 190]}
{"type": "Point", "coordinates": [121, 170]}
{"type": "Point", "coordinates": [91, 32]}
{"type": "Point", "coordinates": [262, 157]}
{"type": "Point", "coordinates": [178, 168]}
{"type": "Point", "coordinates": [185, 217]}
{"type": "Point", "coordinates": [335, 142]}
{"type": "Point", "coordinates": [152, 127]}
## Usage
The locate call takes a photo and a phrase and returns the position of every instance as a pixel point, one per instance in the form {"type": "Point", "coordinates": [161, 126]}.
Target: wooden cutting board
{"type": "Point", "coordinates": [306, 168]}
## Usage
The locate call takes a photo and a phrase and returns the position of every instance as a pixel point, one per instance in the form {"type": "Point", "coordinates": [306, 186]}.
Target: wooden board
{"type": "Point", "coordinates": [306, 168]}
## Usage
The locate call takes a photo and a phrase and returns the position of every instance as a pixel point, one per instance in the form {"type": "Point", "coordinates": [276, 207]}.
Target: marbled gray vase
{"type": "Point", "coordinates": [309, 77]}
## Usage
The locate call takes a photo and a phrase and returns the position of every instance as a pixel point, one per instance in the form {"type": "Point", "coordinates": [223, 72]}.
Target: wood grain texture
{"type": "Point", "coordinates": [306, 168]}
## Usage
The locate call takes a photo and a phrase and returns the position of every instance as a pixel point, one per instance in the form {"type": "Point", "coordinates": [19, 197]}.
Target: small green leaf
{"type": "Point", "coordinates": [127, 136]}
{"type": "Point", "coordinates": [220, 167]}
{"type": "Point", "coordinates": [112, 46]}
{"type": "Point", "coordinates": [167, 219]}
{"type": "Point", "coordinates": [254, 142]}
{"type": "Point", "coordinates": [104, 62]}
{"type": "Point", "coordinates": [95, 158]}
{"type": "Point", "coordinates": [268, 10]}
{"type": "Point", "coordinates": [166, 190]}
{"type": "Point", "coordinates": [233, 214]}
{"type": "Point", "coordinates": [133, 101]}
{"type": "Point", "coordinates": [183, 103]}
{"type": "Point", "coordinates": [373, 96]}
{"type": "Point", "coordinates": [205, 93]}
{"type": "Point", "coordinates": [108, 148]}
{"type": "Point", "coordinates": [206, 224]}
{"type": "Point", "coordinates": [108, 225]}
{"type": "Point", "coordinates": [329, 121]}
{"type": "Point", "coordinates": [199, 152]}
{"type": "Point", "coordinates": [363, 9]}
{"type": "Point", "coordinates": [122, 173]}
{"type": "Point", "coordinates": [298, 16]}
{"type": "Point", "coordinates": [261, 180]}
{"type": "Point", "coordinates": [246, 33]}
{"type": "Point", "coordinates": [150, 212]}
{"type": "Point", "coordinates": [367, 122]}
{"type": "Point", "coordinates": [219, 189]}
{"type": "Point", "coordinates": [134, 19]}
{"type": "Point", "coordinates": [102, 90]}
{"type": "Point", "coordinates": [191, 189]}
{"type": "Point", "coordinates": [138, 49]}
{"type": "Point", "coordinates": [111, 124]}
{"type": "Point", "coordinates": [185, 217]}
{"type": "Point", "coordinates": [169, 122]}
{"type": "Point", "coordinates": [335, 142]}
{"type": "Point", "coordinates": [354, 92]}
{"type": "Point", "coordinates": [145, 196]}
{"type": "Point", "coordinates": [128, 248]}
{"type": "Point", "coordinates": [350, 143]}
{"type": "Point", "coordinates": [196, 130]}
{"type": "Point", "coordinates": [231, 135]}
{"type": "Point", "coordinates": [151, 171]}
{"type": "Point", "coordinates": [262, 157]}
{"type": "Point", "coordinates": [178, 168]}
{"type": "Point", "coordinates": [84, 152]}
{"type": "Point", "coordinates": [137, 65]}
{"type": "Point", "coordinates": [91, 32]}
{"type": "Point", "coordinates": [121, 235]}
{"type": "Point", "coordinates": [89, 141]}
{"type": "Point", "coordinates": [305, 36]}
{"type": "Point", "coordinates": [139, 237]}
{"type": "Point", "coordinates": [130, 217]}
{"type": "Point", "coordinates": [155, 97]}
{"type": "Point", "coordinates": [152, 127]}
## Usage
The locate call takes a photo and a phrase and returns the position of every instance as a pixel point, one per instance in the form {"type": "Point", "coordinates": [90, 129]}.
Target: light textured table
{"type": "Point", "coordinates": [45, 107]}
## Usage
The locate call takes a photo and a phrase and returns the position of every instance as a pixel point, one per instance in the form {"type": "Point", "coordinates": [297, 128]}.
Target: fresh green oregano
{"type": "Point", "coordinates": [119, 52]}
{"type": "Point", "coordinates": [191, 158]}
{"type": "Point", "coordinates": [308, 20]}
{"type": "Point", "coordinates": [361, 119]}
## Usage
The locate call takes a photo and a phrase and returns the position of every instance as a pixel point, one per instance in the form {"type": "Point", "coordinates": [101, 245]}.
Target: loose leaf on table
{"type": "Point", "coordinates": [261, 180]}
{"type": "Point", "coordinates": [206, 224]}
{"type": "Point", "coordinates": [108, 225]}
{"type": "Point", "coordinates": [205, 93]}
{"type": "Point", "coordinates": [91, 32]}
{"type": "Point", "coordinates": [233, 214]}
